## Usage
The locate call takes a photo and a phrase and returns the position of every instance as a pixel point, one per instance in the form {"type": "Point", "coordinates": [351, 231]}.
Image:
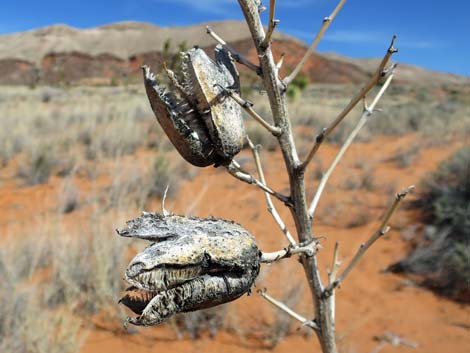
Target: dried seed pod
{"type": "Point", "coordinates": [181, 123]}
{"type": "Point", "coordinates": [202, 123]}
{"type": "Point", "coordinates": [210, 82]}
{"type": "Point", "coordinates": [194, 263]}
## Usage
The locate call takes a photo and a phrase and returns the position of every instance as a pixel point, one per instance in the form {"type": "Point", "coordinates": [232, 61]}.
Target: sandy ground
{"type": "Point", "coordinates": [369, 302]}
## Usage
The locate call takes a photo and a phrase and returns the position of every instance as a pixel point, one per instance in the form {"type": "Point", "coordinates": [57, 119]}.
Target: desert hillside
{"type": "Point", "coordinates": [407, 72]}
{"type": "Point", "coordinates": [120, 39]}
{"type": "Point", "coordinates": [60, 54]}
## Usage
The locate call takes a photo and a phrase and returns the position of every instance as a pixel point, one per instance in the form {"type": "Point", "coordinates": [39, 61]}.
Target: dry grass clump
{"type": "Point", "coordinates": [134, 187]}
{"type": "Point", "coordinates": [197, 323]}
{"type": "Point", "coordinates": [54, 279]}
{"type": "Point", "coordinates": [405, 157]}
{"type": "Point", "coordinates": [91, 123]}
{"type": "Point", "coordinates": [259, 136]}
{"type": "Point", "coordinates": [24, 324]}
{"type": "Point", "coordinates": [52, 126]}
{"type": "Point", "coordinates": [38, 165]}
{"type": "Point", "coordinates": [83, 267]}
{"type": "Point", "coordinates": [434, 113]}
{"type": "Point", "coordinates": [281, 325]}
{"type": "Point", "coordinates": [69, 196]}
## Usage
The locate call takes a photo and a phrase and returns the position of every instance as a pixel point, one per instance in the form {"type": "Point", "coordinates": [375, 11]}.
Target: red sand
{"type": "Point", "coordinates": [369, 302]}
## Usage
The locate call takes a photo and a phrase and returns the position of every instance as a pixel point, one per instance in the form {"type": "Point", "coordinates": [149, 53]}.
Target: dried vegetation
{"type": "Point", "coordinates": [66, 133]}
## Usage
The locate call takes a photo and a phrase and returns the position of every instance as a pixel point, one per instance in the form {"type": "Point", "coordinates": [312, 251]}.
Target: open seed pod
{"type": "Point", "coordinates": [201, 121]}
{"type": "Point", "coordinates": [192, 264]}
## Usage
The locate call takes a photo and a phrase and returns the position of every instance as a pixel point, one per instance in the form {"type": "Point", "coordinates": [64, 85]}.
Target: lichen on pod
{"type": "Point", "coordinates": [201, 121]}
{"type": "Point", "coordinates": [192, 264]}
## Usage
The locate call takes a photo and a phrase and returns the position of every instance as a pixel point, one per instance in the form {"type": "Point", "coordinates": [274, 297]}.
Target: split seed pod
{"type": "Point", "coordinates": [204, 125]}
{"type": "Point", "coordinates": [192, 264]}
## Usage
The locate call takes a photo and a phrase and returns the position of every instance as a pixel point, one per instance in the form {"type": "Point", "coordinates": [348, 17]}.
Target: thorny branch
{"type": "Point", "coordinates": [236, 55]}
{"type": "Point", "coordinates": [307, 250]}
{"type": "Point", "coordinates": [323, 298]}
{"type": "Point", "coordinates": [325, 24]}
{"type": "Point", "coordinates": [331, 278]}
{"type": "Point", "coordinates": [269, 201]}
{"type": "Point", "coordinates": [379, 73]}
{"type": "Point", "coordinates": [280, 62]}
{"type": "Point", "coordinates": [368, 111]}
{"type": "Point", "coordinates": [248, 107]}
{"type": "Point", "coordinates": [235, 170]}
{"type": "Point", "coordinates": [271, 26]}
{"type": "Point", "coordinates": [324, 323]}
{"type": "Point", "coordinates": [382, 230]}
{"type": "Point", "coordinates": [276, 93]}
{"type": "Point", "coordinates": [334, 264]}
{"type": "Point", "coordinates": [305, 322]}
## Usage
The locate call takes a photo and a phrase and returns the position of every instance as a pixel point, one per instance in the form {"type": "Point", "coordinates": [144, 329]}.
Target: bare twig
{"type": "Point", "coordinates": [234, 170]}
{"type": "Point", "coordinates": [331, 278]}
{"type": "Point", "coordinates": [364, 118]}
{"type": "Point", "coordinates": [247, 106]}
{"type": "Point", "coordinates": [280, 62]}
{"type": "Point", "coordinates": [379, 73]}
{"type": "Point", "coordinates": [334, 264]}
{"type": "Point", "coordinates": [271, 26]}
{"type": "Point", "coordinates": [164, 210]}
{"type": "Point", "coordinates": [325, 24]}
{"type": "Point", "coordinates": [305, 322]}
{"type": "Point", "coordinates": [269, 201]}
{"type": "Point", "coordinates": [236, 55]}
{"type": "Point", "coordinates": [307, 250]}
{"type": "Point", "coordinates": [383, 229]}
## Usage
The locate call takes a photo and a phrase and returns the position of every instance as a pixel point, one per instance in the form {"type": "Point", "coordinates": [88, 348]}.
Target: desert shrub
{"type": "Point", "coordinates": [405, 157]}
{"type": "Point", "coordinates": [359, 217]}
{"type": "Point", "coordinates": [128, 188]}
{"type": "Point", "coordinates": [26, 327]}
{"type": "Point", "coordinates": [199, 322]}
{"type": "Point", "coordinates": [105, 121]}
{"type": "Point", "coordinates": [446, 193]}
{"type": "Point", "coordinates": [365, 180]}
{"type": "Point", "coordinates": [24, 324]}
{"type": "Point", "coordinates": [296, 87]}
{"type": "Point", "coordinates": [162, 174]}
{"type": "Point", "coordinates": [260, 136]}
{"type": "Point", "coordinates": [281, 325]}
{"type": "Point", "coordinates": [38, 166]}
{"type": "Point", "coordinates": [69, 197]}
{"type": "Point", "coordinates": [83, 270]}
{"type": "Point", "coordinates": [443, 255]}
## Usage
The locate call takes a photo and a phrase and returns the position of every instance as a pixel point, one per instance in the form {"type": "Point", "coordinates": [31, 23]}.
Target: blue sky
{"type": "Point", "coordinates": [431, 33]}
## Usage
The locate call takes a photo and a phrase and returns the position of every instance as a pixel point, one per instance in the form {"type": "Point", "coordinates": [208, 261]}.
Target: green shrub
{"type": "Point", "coordinates": [299, 83]}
